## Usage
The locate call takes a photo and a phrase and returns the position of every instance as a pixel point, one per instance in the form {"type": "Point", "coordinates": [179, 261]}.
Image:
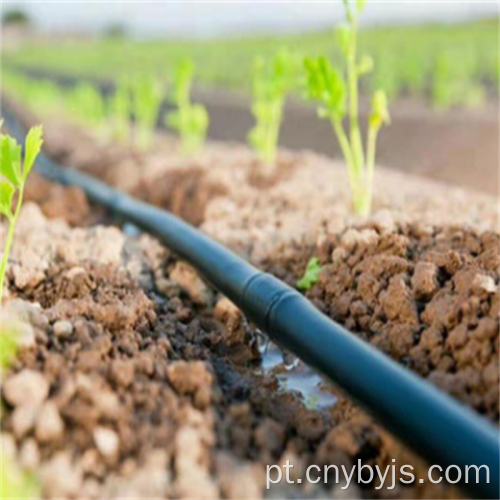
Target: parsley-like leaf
{"type": "Point", "coordinates": [311, 275]}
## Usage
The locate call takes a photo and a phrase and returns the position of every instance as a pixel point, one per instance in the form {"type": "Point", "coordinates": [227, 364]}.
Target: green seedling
{"type": "Point", "coordinates": [190, 120]}
{"type": "Point", "coordinates": [336, 93]}
{"type": "Point", "coordinates": [311, 275]}
{"type": "Point", "coordinates": [272, 80]}
{"type": "Point", "coordinates": [13, 174]}
{"type": "Point", "coordinates": [120, 111]}
{"type": "Point", "coordinates": [42, 96]}
{"type": "Point", "coordinates": [147, 95]}
{"type": "Point", "coordinates": [86, 103]}
{"type": "Point", "coordinates": [14, 483]}
{"type": "Point", "coordinates": [8, 348]}
{"type": "Point", "coordinates": [453, 86]}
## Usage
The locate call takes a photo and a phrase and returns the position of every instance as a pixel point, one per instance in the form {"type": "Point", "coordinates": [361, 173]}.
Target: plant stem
{"type": "Point", "coordinates": [277, 115]}
{"type": "Point", "coordinates": [348, 155]}
{"type": "Point", "coordinates": [352, 74]}
{"type": "Point", "coordinates": [370, 164]}
{"type": "Point", "coordinates": [9, 239]}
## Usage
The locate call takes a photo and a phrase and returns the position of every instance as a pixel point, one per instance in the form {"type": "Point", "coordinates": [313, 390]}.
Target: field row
{"type": "Point", "coordinates": [448, 65]}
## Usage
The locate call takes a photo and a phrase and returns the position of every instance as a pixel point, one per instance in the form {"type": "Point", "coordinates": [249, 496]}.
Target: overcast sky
{"type": "Point", "coordinates": [211, 18]}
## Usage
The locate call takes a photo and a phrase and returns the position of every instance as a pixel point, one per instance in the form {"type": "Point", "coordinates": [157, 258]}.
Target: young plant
{"type": "Point", "coordinates": [147, 95]}
{"type": "Point", "coordinates": [189, 120]}
{"type": "Point", "coordinates": [272, 80]}
{"type": "Point", "coordinates": [331, 90]}
{"type": "Point", "coordinates": [13, 174]}
{"type": "Point", "coordinates": [453, 85]}
{"type": "Point", "coordinates": [86, 103]}
{"type": "Point", "coordinates": [311, 275]}
{"type": "Point", "coordinates": [120, 111]}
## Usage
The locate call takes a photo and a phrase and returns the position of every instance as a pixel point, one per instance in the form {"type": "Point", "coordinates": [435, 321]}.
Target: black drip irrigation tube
{"type": "Point", "coordinates": [429, 421]}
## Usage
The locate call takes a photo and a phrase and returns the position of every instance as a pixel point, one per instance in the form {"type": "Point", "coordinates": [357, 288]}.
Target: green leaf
{"type": "Point", "coordinates": [33, 146]}
{"type": "Point", "coordinates": [327, 87]}
{"type": "Point", "coordinates": [311, 275]}
{"type": "Point", "coordinates": [183, 77]}
{"type": "Point", "coordinates": [8, 347]}
{"type": "Point", "coordinates": [10, 160]}
{"type": "Point", "coordinates": [7, 191]}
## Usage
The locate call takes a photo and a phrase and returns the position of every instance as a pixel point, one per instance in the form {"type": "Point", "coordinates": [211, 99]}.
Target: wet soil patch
{"type": "Point", "coordinates": [186, 193]}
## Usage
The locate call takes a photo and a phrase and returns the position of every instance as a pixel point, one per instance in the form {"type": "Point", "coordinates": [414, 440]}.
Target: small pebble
{"type": "Point", "coordinates": [29, 455]}
{"type": "Point", "coordinates": [26, 388]}
{"type": "Point", "coordinates": [484, 283]}
{"type": "Point", "coordinates": [63, 329]}
{"type": "Point", "coordinates": [8, 446]}
{"type": "Point", "coordinates": [107, 441]}
{"type": "Point", "coordinates": [60, 477]}
{"type": "Point", "coordinates": [49, 424]}
{"type": "Point", "coordinates": [23, 420]}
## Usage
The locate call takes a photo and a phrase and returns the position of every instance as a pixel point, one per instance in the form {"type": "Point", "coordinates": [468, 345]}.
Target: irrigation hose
{"type": "Point", "coordinates": [429, 421]}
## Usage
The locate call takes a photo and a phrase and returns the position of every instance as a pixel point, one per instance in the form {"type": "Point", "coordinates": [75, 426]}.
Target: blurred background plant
{"type": "Point", "coordinates": [147, 96]}
{"type": "Point", "coordinates": [120, 111]}
{"type": "Point", "coordinates": [190, 120]}
{"type": "Point", "coordinates": [86, 103]}
{"type": "Point", "coordinates": [272, 80]}
{"type": "Point", "coordinates": [409, 58]}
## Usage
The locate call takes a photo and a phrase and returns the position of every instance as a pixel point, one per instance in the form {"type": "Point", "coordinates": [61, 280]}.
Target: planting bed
{"type": "Point", "coordinates": [137, 379]}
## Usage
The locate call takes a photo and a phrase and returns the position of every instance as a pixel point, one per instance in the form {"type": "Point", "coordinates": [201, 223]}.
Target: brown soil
{"type": "Point", "coordinates": [263, 176]}
{"type": "Point", "coordinates": [428, 299]}
{"type": "Point", "coordinates": [56, 201]}
{"type": "Point", "coordinates": [186, 193]}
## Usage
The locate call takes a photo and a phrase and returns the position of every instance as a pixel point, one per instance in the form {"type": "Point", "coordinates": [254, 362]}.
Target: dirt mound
{"type": "Point", "coordinates": [186, 193]}
{"type": "Point", "coordinates": [428, 299]}
{"type": "Point", "coordinates": [59, 202]}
